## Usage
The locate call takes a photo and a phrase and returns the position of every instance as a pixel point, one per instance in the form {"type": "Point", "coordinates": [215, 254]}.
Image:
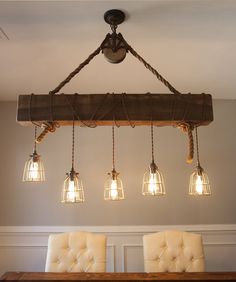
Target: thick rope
{"type": "Point", "coordinates": [149, 67]}
{"type": "Point", "coordinates": [76, 71]}
{"type": "Point", "coordinates": [191, 145]}
{"type": "Point", "coordinates": [188, 128]}
{"type": "Point", "coordinates": [49, 127]}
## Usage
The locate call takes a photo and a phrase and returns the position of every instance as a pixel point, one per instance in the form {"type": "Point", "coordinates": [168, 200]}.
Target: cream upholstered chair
{"type": "Point", "coordinates": [173, 251]}
{"type": "Point", "coordinates": [76, 252]}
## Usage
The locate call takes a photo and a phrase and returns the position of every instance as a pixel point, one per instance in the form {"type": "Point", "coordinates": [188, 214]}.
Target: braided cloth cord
{"type": "Point", "coordinates": [51, 126]}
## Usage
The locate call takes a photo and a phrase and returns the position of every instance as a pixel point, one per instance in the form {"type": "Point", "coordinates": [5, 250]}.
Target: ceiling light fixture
{"type": "Point", "coordinates": [185, 111]}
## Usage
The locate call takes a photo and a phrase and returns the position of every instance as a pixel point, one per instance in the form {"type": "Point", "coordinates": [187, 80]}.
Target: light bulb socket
{"type": "Point", "coordinates": [72, 174]}
{"type": "Point", "coordinates": [114, 174]}
{"type": "Point", "coordinates": [199, 170]}
{"type": "Point", "coordinates": [153, 167]}
{"type": "Point", "coordinates": [35, 157]}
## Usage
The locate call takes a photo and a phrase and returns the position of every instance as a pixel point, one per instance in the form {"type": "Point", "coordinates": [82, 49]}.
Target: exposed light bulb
{"type": "Point", "coordinates": [113, 187]}
{"type": "Point", "coordinates": [34, 171]}
{"type": "Point", "coordinates": [152, 185]}
{"type": "Point", "coordinates": [114, 190]}
{"type": "Point", "coordinates": [71, 191]}
{"type": "Point", "coordinates": [199, 185]}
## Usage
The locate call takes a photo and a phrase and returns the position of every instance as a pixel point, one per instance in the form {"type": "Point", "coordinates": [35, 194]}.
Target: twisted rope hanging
{"type": "Point", "coordinates": [51, 126]}
{"type": "Point", "coordinates": [149, 67]}
{"type": "Point", "coordinates": [188, 128]}
{"type": "Point", "coordinates": [76, 71]}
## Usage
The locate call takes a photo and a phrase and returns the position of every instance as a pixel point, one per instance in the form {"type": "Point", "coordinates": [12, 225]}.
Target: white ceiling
{"type": "Point", "coordinates": [192, 43]}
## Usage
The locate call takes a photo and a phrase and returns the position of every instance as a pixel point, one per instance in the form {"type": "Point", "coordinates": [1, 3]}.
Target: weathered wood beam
{"type": "Point", "coordinates": [125, 109]}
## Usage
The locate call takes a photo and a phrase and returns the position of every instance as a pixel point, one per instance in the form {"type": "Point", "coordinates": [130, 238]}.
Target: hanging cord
{"type": "Point", "coordinates": [73, 144]}
{"type": "Point", "coordinates": [113, 148]}
{"type": "Point", "coordinates": [30, 111]}
{"type": "Point", "coordinates": [149, 67]}
{"type": "Point", "coordinates": [152, 142]}
{"type": "Point", "coordinates": [123, 97]}
{"type": "Point", "coordinates": [114, 104]}
{"type": "Point", "coordinates": [35, 136]}
{"type": "Point", "coordinates": [75, 113]}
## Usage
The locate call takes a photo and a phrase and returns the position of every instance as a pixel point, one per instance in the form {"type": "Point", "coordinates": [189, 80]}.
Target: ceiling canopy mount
{"type": "Point", "coordinates": [114, 17]}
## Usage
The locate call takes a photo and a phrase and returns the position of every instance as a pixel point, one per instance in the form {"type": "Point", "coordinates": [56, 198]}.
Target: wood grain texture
{"type": "Point", "coordinates": [125, 109]}
{"type": "Point", "coordinates": [184, 276]}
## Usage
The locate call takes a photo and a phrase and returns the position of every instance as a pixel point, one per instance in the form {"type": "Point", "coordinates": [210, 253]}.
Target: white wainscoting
{"type": "Point", "coordinates": [23, 248]}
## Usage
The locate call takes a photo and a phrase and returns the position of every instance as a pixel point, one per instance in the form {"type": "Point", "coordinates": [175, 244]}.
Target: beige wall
{"type": "Point", "coordinates": [39, 204]}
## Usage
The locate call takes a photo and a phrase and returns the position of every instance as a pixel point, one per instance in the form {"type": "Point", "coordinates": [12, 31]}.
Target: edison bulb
{"type": "Point", "coordinates": [152, 185]}
{"type": "Point", "coordinates": [34, 171]}
{"type": "Point", "coordinates": [114, 190]}
{"type": "Point", "coordinates": [199, 185]}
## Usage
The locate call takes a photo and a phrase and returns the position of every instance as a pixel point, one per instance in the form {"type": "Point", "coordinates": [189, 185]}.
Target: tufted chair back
{"type": "Point", "coordinates": [173, 251]}
{"type": "Point", "coordinates": [76, 252]}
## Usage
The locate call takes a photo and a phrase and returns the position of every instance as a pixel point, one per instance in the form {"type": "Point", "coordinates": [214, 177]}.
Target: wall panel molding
{"type": "Point", "coordinates": [124, 245]}
{"type": "Point", "coordinates": [117, 229]}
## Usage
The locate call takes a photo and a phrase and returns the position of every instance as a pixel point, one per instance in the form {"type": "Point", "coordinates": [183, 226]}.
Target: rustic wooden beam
{"type": "Point", "coordinates": [125, 109]}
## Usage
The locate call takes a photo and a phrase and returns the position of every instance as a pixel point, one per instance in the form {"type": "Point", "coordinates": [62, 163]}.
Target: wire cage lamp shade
{"type": "Point", "coordinates": [113, 187]}
{"type": "Point", "coordinates": [34, 168]}
{"type": "Point", "coordinates": [153, 181]}
{"type": "Point", "coordinates": [199, 184]}
{"type": "Point", "coordinates": [72, 191]}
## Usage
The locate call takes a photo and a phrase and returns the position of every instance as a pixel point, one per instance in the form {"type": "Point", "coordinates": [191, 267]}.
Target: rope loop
{"type": "Point", "coordinates": [188, 128]}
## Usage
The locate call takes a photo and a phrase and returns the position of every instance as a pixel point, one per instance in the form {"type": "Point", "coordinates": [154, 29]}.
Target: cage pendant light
{"type": "Point", "coordinates": [34, 169]}
{"type": "Point", "coordinates": [73, 191]}
{"type": "Point", "coordinates": [153, 182]}
{"type": "Point", "coordinates": [113, 187]}
{"type": "Point", "coordinates": [199, 182]}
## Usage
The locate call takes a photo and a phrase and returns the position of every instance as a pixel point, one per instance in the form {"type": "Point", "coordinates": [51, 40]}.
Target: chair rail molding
{"type": "Point", "coordinates": [124, 245]}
